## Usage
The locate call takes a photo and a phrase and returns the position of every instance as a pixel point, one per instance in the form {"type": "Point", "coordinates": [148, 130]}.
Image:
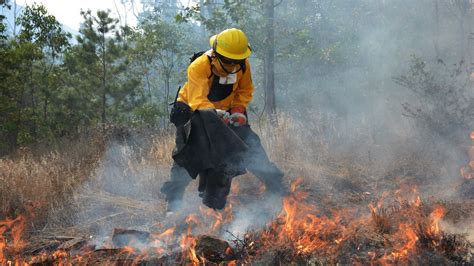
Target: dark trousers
{"type": "Point", "coordinates": [255, 160]}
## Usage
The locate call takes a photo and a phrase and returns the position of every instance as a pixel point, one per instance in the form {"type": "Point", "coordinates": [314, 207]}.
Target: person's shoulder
{"type": "Point", "coordinates": [201, 65]}
{"type": "Point", "coordinates": [203, 60]}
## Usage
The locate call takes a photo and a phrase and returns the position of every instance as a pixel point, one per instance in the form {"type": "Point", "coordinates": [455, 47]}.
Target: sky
{"type": "Point", "coordinates": [67, 12]}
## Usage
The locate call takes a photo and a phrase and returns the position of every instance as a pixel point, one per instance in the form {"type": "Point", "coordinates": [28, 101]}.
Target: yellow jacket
{"type": "Point", "coordinates": [196, 90]}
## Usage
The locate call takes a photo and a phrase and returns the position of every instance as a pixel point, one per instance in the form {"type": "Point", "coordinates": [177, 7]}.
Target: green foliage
{"type": "Point", "coordinates": [3, 27]}
{"type": "Point", "coordinates": [295, 45]}
{"type": "Point", "coordinates": [159, 57]}
{"type": "Point", "coordinates": [42, 29]}
{"type": "Point", "coordinates": [28, 62]}
{"type": "Point", "coordinates": [100, 60]}
{"type": "Point", "coordinates": [188, 14]}
{"type": "Point", "coordinates": [147, 114]}
{"type": "Point", "coordinates": [125, 75]}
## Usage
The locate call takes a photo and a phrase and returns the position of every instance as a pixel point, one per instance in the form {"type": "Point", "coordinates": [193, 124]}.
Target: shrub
{"type": "Point", "coordinates": [442, 106]}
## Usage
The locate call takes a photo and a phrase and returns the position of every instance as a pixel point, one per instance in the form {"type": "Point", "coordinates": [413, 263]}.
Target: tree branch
{"type": "Point", "coordinates": [281, 1]}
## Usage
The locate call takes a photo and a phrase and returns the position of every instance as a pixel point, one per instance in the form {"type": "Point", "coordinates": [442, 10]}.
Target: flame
{"type": "Point", "coordinates": [301, 226]}
{"type": "Point", "coordinates": [467, 171]}
{"type": "Point", "coordinates": [217, 218]}
{"type": "Point", "coordinates": [14, 244]}
{"type": "Point", "coordinates": [16, 227]}
{"type": "Point", "coordinates": [167, 233]}
{"type": "Point", "coordinates": [435, 217]}
{"type": "Point", "coordinates": [188, 248]}
{"type": "Point", "coordinates": [61, 257]}
{"type": "Point", "coordinates": [188, 241]}
{"type": "Point", "coordinates": [407, 235]}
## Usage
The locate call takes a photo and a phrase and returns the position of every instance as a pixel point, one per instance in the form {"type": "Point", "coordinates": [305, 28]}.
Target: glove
{"type": "Point", "coordinates": [237, 117]}
{"type": "Point", "coordinates": [224, 115]}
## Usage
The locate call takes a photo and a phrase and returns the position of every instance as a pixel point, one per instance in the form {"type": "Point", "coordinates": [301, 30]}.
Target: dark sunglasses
{"type": "Point", "coordinates": [229, 61]}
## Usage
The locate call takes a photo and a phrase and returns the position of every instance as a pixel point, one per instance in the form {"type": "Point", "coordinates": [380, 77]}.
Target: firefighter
{"type": "Point", "coordinates": [220, 79]}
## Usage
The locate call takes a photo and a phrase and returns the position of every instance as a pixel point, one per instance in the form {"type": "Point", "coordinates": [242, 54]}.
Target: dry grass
{"type": "Point", "coordinates": [91, 185]}
{"type": "Point", "coordinates": [341, 156]}
{"type": "Point", "coordinates": [98, 182]}
{"type": "Point", "coordinates": [41, 181]}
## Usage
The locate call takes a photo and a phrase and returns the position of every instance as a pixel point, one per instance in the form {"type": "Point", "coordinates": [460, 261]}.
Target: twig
{"type": "Point", "coordinates": [241, 246]}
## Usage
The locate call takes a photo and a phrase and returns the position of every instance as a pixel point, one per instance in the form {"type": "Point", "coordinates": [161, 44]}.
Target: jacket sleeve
{"type": "Point", "coordinates": [198, 87]}
{"type": "Point", "coordinates": [244, 91]}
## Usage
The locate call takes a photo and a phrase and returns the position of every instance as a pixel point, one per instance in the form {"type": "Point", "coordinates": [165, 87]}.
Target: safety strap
{"type": "Point", "coordinates": [176, 97]}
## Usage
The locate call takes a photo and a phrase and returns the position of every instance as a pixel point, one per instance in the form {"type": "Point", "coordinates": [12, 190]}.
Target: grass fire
{"type": "Point", "coordinates": [228, 132]}
{"type": "Point", "coordinates": [385, 223]}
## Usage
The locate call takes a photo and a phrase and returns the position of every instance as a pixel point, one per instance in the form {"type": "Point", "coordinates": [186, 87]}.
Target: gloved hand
{"type": "Point", "coordinates": [224, 115]}
{"type": "Point", "coordinates": [237, 117]}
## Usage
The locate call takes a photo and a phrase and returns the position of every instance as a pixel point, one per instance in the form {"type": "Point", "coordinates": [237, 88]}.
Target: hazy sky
{"type": "Point", "coordinates": [68, 11]}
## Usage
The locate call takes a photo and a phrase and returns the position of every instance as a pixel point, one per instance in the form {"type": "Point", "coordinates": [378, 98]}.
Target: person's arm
{"type": "Point", "coordinates": [244, 93]}
{"type": "Point", "coordinates": [198, 87]}
{"type": "Point", "coordinates": [242, 97]}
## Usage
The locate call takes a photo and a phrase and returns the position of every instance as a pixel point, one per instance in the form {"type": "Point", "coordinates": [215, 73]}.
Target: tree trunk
{"type": "Point", "coordinates": [146, 70]}
{"type": "Point", "coordinates": [167, 95]}
{"type": "Point", "coordinates": [437, 30]}
{"type": "Point", "coordinates": [464, 12]}
{"type": "Point", "coordinates": [269, 71]}
{"type": "Point", "coordinates": [206, 16]}
{"type": "Point", "coordinates": [14, 18]}
{"type": "Point", "coordinates": [462, 33]}
{"type": "Point", "coordinates": [12, 138]}
{"type": "Point", "coordinates": [17, 117]}
{"type": "Point", "coordinates": [470, 41]}
{"type": "Point", "coordinates": [33, 126]}
{"type": "Point", "coordinates": [45, 110]}
{"type": "Point", "coordinates": [104, 91]}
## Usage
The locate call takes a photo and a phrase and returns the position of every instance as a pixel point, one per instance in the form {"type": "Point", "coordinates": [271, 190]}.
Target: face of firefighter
{"type": "Point", "coordinates": [218, 68]}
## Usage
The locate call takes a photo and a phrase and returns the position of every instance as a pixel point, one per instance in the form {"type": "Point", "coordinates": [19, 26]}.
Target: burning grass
{"type": "Point", "coordinates": [395, 230]}
{"type": "Point", "coordinates": [346, 208]}
{"type": "Point", "coordinates": [401, 232]}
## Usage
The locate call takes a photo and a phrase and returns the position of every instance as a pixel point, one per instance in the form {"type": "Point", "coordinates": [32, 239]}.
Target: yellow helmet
{"type": "Point", "coordinates": [231, 43]}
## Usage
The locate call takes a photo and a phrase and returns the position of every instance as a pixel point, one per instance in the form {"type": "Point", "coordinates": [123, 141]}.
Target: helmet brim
{"type": "Point", "coordinates": [241, 56]}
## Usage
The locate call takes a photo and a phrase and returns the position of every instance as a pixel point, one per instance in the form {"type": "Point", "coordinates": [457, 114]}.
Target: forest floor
{"type": "Point", "coordinates": [353, 200]}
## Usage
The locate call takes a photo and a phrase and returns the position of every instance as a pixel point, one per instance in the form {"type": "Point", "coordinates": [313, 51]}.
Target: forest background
{"type": "Point", "coordinates": [402, 65]}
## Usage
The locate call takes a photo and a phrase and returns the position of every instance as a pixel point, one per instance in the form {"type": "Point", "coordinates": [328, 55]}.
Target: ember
{"type": "Point", "coordinates": [304, 231]}
{"type": "Point", "coordinates": [397, 227]}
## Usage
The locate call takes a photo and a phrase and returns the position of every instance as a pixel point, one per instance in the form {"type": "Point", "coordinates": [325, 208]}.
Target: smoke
{"type": "Point", "coordinates": [121, 193]}
{"type": "Point", "coordinates": [465, 228]}
{"type": "Point", "coordinates": [349, 57]}
{"type": "Point", "coordinates": [351, 54]}
{"type": "Point", "coordinates": [342, 103]}
{"type": "Point", "coordinates": [254, 215]}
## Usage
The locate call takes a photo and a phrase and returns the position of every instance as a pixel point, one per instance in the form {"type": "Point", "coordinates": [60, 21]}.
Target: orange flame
{"type": "Point", "coordinates": [188, 242]}
{"type": "Point", "coordinates": [468, 171]}
{"type": "Point", "coordinates": [217, 218]}
{"type": "Point", "coordinates": [301, 226]}
{"type": "Point", "coordinates": [435, 217]}
{"type": "Point", "coordinates": [407, 235]}
{"type": "Point", "coordinates": [16, 227]}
